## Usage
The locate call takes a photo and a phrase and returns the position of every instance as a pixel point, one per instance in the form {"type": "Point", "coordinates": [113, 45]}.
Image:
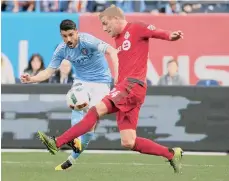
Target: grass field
{"type": "Point", "coordinates": [111, 167]}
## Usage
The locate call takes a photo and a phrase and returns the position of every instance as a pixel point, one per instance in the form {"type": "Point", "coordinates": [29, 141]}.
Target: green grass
{"type": "Point", "coordinates": [111, 167]}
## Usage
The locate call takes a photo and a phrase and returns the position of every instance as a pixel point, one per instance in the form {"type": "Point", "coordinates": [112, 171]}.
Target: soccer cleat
{"type": "Point", "coordinates": [75, 145]}
{"type": "Point", "coordinates": [49, 142]}
{"type": "Point", "coordinates": [176, 160]}
{"type": "Point", "coordinates": [64, 166]}
{"type": "Point", "coordinates": [77, 148]}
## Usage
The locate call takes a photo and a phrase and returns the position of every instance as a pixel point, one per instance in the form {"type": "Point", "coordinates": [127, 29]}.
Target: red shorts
{"type": "Point", "coordinates": [127, 97]}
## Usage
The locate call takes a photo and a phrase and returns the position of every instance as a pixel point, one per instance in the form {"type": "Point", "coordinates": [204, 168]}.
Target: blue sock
{"type": "Point", "coordinates": [77, 116]}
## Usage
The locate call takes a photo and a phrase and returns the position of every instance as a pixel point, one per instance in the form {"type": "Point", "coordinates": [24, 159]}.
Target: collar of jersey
{"type": "Point", "coordinates": [124, 30]}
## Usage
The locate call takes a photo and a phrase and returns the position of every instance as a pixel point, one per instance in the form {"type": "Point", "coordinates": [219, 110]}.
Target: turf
{"type": "Point", "coordinates": [111, 167]}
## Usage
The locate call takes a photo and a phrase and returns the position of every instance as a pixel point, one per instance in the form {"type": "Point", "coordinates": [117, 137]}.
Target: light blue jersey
{"type": "Point", "coordinates": [90, 65]}
{"type": "Point", "coordinates": [87, 58]}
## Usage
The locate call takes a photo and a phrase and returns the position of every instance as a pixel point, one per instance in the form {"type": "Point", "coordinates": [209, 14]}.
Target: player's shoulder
{"type": "Point", "coordinates": [84, 35]}
{"type": "Point", "coordinates": [140, 24]}
{"type": "Point", "coordinates": [137, 24]}
{"type": "Point", "coordinates": [60, 47]}
{"type": "Point", "coordinates": [86, 38]}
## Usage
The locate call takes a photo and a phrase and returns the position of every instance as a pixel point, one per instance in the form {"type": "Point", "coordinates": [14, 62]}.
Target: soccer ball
{"type": "Point", "coordinates": [77, 98]}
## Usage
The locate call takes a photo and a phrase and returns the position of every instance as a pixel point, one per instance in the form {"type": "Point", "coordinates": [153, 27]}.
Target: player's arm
{"type": "Point", "coordinates": [112, 52]}
{"type": "Point", "coordinates": [40, 77]}
{"type": "Point", "coordinates": [150, 31]}
{"type": "Point", "coordinates": [43, 75]}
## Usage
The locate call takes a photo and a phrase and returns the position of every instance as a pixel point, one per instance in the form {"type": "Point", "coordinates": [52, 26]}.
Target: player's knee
{"type": "Point", "coordinates": [101, 109]}
{"type": "Point", "coordinates": [128, 137]}
{"type": "Point", "coordinates": [128, 143]}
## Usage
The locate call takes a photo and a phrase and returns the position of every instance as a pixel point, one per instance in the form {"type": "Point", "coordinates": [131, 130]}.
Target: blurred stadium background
{"type": "Point", "coordinates": [193, 113]}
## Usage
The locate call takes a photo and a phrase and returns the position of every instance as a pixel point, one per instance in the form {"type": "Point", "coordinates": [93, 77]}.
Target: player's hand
{"type": "Point", "coordinates": [25, 78]}
{"type": "Point", "coordinates": [176, 35]}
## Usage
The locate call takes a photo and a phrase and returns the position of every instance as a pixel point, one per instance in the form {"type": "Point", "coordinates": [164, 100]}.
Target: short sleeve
{"type": "Point", "coordinates": [95, 43]}
{"type": "Point", "coordinates": [57, 57]}
{"type": "Point", "coordinates": [150, 31]}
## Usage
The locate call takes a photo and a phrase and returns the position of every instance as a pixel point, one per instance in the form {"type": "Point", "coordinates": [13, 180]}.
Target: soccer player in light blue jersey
{"type": "Point", "coordinates": [87, 55]}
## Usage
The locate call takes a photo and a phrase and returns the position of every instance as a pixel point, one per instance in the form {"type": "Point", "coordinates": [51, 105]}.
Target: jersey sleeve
{"type": "Point", "coordinates": [149, 31]}
{"type": "Point", "coordinates": [57, 57]}
{"type": "Point", "coordinates": [95, 43]}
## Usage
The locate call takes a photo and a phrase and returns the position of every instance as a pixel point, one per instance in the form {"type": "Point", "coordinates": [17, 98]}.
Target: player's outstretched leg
{"type": "Point", "coordinates": [85, 125]}
{"type": "Point", "coordinates": [80, 143]}
{"type": "Point", "coordinates": [147, 146]}
{"type": "Point", "coordinates": [76, 117]}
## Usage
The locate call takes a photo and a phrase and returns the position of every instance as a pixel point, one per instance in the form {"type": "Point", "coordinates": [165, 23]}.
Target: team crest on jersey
{"type": "Point", "coordinates": [151, 27]}
{"type": "Point", "coordinates": [84, 51]}
{"type": "Point", "coordinates": [127, 35]}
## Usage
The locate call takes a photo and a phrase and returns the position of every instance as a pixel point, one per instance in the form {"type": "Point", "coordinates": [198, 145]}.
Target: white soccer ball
{"type": "Point", "coordinates": [77, 98]}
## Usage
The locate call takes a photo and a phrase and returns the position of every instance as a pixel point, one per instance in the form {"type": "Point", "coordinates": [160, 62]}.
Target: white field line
{"type": "Point", "coordinates": [111, 163]}
{"type": "Point", "coordinates": [109, 152]}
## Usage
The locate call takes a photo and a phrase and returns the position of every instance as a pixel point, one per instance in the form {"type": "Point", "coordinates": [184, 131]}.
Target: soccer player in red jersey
{"type": "Point", "coordinates": [132, 43]}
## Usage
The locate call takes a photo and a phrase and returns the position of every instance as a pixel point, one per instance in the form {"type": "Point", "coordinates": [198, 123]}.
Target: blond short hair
{"type": "Point", "coordinates": [112, 11]}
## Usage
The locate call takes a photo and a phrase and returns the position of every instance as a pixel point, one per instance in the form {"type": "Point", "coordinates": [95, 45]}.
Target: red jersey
{"type": "Point", "coordinates": [133, 47]}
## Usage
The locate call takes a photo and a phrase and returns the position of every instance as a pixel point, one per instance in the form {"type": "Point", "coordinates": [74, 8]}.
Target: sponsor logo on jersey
{"type": "Point", "coordinates": [126, 45]}
{"type": "Point", "coordinates": [84, 51]}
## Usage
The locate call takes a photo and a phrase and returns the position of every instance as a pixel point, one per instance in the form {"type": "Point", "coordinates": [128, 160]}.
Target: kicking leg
{"type": "Point", "coordinates": [127, 123]}
{"type": "Point", "coordinates": [81, 142]}
{"type": "Point", "coordinates": [85, 125]}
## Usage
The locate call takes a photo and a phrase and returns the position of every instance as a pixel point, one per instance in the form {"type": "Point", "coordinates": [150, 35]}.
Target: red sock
{"type": "Point", "coordinates": [149, 147]}
{"type": "Point", "coordinates": [79, 129]}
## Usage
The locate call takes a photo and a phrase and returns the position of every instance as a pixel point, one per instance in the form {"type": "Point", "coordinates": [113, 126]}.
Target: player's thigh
{"type": "Point", "coordinates": [127, 96]}
{"type": "Point", "coordinates": [128, 120]}
{"type": "Point", "coordinates": [127, 124]}
{"type": "Point", "coordinates": [76, 117]}
{"type": "Point", "coordinates": [98, 92]}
